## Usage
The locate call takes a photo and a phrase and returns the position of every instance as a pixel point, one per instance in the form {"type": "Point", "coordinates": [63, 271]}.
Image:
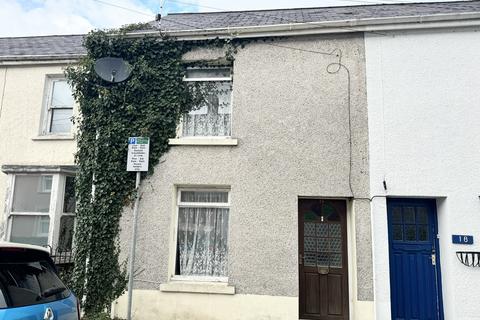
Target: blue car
{"type": "Point", "coordinates": [30, 288]}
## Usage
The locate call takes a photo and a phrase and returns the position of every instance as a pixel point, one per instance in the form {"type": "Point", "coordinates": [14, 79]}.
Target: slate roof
{"type": "Point", "coordinates": [70, 46]}
{"type": "Point", "coordinates": [232, 19]}
{"type": "Point", "coordinates": [43, 47]}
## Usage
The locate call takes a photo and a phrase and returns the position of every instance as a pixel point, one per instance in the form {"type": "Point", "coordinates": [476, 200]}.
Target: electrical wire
{"type": "Point", "coordinates": [338, 66]}
{"type": "Point", "coordinates": [124, 8]}
{"type": "Point", "coordinates": [162, 4]}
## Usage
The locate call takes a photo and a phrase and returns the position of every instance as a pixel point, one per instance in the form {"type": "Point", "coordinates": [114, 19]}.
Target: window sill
{"type": "Point", "coordinates": [54, 137]}
{"type": "Point", "coordinates": [198, 287]}
{"type": "Point", "coordinates": [203, 142]}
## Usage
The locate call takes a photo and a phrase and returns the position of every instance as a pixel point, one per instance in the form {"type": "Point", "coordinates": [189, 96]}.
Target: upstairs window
{"type": "Point", "coordinates": [59, 107]}
{"type": "Point", "coordinates": [214, 116]}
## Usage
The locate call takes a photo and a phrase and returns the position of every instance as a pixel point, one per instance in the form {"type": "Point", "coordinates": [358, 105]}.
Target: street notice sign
{"type": "Point", "coordinates": [137, 159]}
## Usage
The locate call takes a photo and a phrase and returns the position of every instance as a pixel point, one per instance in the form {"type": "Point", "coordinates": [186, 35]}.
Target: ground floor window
{"type": "Point", "coordinates": [41, 210]}
{"type": "Point", "coordinates": [202, 233]}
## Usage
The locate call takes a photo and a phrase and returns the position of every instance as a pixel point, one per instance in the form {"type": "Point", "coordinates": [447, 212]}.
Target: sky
{"type": "Point", "coordinates": [48, 17]}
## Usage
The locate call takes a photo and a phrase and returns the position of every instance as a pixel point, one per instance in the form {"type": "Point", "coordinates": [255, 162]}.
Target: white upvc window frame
{"type": "Point", "coordinates": [206, 79]}
{"type": "Point", "coordinates": [47, 108]}
{"type": "Point", "coordinates": [55, 209]}
{"type": "Point", "coordinates": [179, 204]}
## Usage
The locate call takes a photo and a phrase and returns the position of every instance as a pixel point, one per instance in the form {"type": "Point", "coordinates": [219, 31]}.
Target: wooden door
{"type": "Point", "coordinates": [415, 281]}
{"type": "Point", "coordinates": [323, 259]}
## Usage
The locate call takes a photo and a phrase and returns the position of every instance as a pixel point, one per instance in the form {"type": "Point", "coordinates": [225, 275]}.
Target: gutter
{"type": "Point", "coordinates": [39, 59]}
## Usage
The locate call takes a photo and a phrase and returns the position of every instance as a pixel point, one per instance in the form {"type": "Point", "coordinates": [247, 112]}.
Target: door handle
{"type": "Point", "coordinates": [434, 259]}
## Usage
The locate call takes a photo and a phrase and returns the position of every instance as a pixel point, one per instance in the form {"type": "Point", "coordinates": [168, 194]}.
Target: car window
{"type": "Point", "coordinates": [28, 283]}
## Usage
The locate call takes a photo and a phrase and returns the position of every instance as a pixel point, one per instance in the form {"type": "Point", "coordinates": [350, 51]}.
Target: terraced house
{"type": "Point", "coordinates": [325, 181]}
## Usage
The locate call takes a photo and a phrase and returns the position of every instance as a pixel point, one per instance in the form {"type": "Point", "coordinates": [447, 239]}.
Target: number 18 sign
{"type": "Point", "coordinates": [462, 239]}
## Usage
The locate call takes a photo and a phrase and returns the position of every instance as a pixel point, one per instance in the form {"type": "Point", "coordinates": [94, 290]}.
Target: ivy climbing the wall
{"type": "Point", "coordinates": [149, 104]}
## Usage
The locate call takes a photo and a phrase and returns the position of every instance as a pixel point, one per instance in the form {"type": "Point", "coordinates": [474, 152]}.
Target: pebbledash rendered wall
{"type": "Point", "coordinates": [424, 116]}
{"type": "Point", "coordinates": [290, 118]}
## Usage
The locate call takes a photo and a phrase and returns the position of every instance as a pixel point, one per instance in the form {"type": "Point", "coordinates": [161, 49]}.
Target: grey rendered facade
{"type": "Point", "coordinates": [291, 123]}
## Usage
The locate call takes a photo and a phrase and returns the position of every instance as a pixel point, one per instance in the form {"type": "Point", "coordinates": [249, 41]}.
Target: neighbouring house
{"type": "Point", "coordinates": [309, 188]}
{"type": "Point", "coordinates": [37, 143]}
{"type": "Point", "coordinates": [423, 116]}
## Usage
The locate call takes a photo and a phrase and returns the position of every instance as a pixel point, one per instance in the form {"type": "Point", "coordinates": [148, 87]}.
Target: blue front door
{"type": "Point", "coordinates": [415, 286]}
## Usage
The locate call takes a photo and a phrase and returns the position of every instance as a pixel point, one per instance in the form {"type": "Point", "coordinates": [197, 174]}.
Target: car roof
{"type": "Point", "coordinates": [5, 244]}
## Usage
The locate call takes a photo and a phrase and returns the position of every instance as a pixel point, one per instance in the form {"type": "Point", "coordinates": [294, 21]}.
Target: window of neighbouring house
{"type": "Point", "coordinates": [212, 118]}
{"type": "Point", "coordinates": [67, 219]}
{"type": "Point", "coordinates": [202, 233]}
{"type": "Point", "coordinates": [42, 210]}
{"type": "Point", "coordinates": [59, 107]}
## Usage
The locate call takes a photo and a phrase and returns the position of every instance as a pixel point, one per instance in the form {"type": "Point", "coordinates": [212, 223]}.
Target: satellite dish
{"type": "Point", "coordinates": [112, 69]}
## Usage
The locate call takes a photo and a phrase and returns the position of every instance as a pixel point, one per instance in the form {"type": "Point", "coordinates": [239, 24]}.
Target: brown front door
{"type": "Point", "coordinates": [323, 259]}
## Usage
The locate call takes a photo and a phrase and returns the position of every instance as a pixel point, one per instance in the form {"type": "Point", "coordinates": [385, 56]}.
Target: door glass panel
{"type": "Point", "coordinates": [422, 215]}
{"type": "Point", "coordinates": [309, 229]}
{"type": "Point", "coordinates": [335, 230]}
{"type": "Point", "coordinates": [322, 230]}
{"type": "Point", "coordinates": [336, 260]}
{"type": "Point", "coordinates": [409, 215]}
{"type": "Point", "coordinates": [397, 232]}
{"type": "Point", "coordinates": [397, 215]}
{"type": "Point", "coordinates": [322, 260]}
{"type": "Point", "coordinates": [310, 259]}
{"type": "Point", "coordinates": [322, 244]}
{"type": "Point", "coordinates": [336, 244]}
{"type": "Point", "coordinates": [410, 233]}
{"type": "Point", "coordinates": [422, 233]}
{"type": "Point", "coordinates": [309, 244]}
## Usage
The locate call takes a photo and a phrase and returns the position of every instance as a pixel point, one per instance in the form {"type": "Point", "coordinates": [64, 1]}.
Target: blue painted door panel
{"type": "Point", "coordinates": [65, 309]}
{"type": "Point", "coordinates": [415, 285]}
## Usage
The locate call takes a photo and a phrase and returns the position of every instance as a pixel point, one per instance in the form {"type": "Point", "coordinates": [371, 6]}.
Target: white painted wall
{"type": "Point", "coordinates": [22, 96]}
{"type": "Point", "coordinates": [424, 128]}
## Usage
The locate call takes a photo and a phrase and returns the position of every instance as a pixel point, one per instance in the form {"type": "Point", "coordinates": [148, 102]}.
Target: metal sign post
{"type": "Point", "coordinates": [137, 160]}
